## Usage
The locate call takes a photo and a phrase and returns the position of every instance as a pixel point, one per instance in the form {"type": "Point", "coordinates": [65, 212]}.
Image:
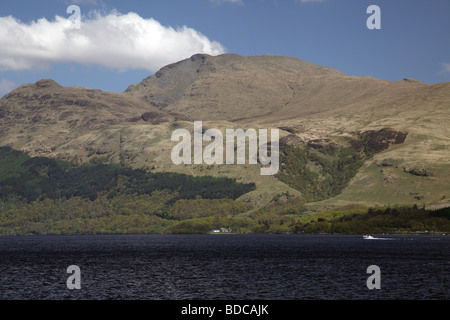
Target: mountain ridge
{"type": "Point", "coordinates": [291, 85]}
{"type": "Point", "coordinates": [310, 104]}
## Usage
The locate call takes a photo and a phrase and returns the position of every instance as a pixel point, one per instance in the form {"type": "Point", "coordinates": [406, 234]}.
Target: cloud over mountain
{"type": "Point", "coordinates": [117, 41]}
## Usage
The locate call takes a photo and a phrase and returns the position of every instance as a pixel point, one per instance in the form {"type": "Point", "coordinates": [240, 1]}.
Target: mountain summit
{"type": "Point", "coordinates": [229, 86]}
{"type": "Point", "coordinates": [265, 88]}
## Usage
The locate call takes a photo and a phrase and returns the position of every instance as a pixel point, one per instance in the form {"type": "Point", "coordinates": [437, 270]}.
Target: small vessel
{"type": "Point", "coordinates": [368, 236]}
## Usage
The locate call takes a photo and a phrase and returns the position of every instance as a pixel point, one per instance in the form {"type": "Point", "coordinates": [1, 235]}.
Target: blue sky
{"type": "Point", "coordinates": [122, 42]}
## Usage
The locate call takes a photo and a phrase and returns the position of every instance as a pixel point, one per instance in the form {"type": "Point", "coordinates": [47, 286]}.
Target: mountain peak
{"type": "Point", "coordinates": [227, 85]}
{"type": "Point", "coordinates": [47, 83]}
{"type": "Point", "coordinates": [200, 56]}
{"type": "Point", "coordinates": [40, 84]}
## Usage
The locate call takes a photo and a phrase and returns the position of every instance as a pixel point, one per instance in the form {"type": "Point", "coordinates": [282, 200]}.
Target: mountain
{"type": "Point", "coordinates": [265, 89]}
{"type": "Point", "coordinates": [345, 139]}
{"type": "Point", "coordinates": [230, 87]}
{"type": "Point", "coordinates": [314, 103]}
{"type": "Point", "coordinates": [44, 118]}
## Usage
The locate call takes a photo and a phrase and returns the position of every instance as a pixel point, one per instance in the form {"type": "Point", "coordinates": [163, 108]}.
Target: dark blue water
{"type": "Point", "coordinates": [210, 267]}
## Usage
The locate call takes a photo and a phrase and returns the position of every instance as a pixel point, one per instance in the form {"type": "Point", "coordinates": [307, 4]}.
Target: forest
{"type": "Point", "coordinates": [38, 178]}
{"type": "Point", "coordinates": [322, 169]}
{"type": "Point", "coordinates": [43, 196]}
{"type": "Point", "coordinates": [319, 174]}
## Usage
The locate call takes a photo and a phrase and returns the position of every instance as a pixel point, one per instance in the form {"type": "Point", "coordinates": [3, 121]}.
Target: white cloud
{"type": "Point", "coordinates": [117, 41]}
{"type": "Point", "coordinates": [6, 86]}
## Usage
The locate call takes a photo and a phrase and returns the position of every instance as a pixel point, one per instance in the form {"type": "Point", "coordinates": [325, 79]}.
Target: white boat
{"type": "Point", "coordinates": [368, 236]}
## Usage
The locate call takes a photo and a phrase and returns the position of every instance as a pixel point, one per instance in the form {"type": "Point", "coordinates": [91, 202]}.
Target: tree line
{"type": "Point", "coordinates": [38, 178]}
{"type": "Point", "coordinates": [47, 196]}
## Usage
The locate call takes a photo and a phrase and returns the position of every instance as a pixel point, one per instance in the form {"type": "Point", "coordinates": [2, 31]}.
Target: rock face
{"type": "Point", "coordinates": [47, 83]}
{"type": "Point", "coordinates": [379, 140]}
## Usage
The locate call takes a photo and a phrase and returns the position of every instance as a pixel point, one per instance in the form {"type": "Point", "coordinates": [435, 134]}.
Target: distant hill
{"type": "Point", "coordinates": [390, 140]}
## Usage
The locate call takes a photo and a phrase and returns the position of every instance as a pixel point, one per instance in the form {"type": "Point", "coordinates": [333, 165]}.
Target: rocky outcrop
{"type": "Point", "coordinates": [375, 141]}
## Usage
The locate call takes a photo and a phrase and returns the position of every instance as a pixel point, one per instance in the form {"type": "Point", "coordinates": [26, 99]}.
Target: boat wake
{"type": "Point", "coordinates": [369, 237]}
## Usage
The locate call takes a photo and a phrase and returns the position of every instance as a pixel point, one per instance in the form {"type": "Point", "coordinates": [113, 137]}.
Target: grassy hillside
{"type": "Point", "coordinates": [40, 195]}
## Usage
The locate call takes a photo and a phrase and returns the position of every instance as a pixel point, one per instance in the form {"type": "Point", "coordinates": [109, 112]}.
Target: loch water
{"type": "Point", "coordinates": [225, 266]}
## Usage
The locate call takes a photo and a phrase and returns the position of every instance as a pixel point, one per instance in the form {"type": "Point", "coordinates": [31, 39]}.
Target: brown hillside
{"type": "Point", "coordinates": [267, 88]}
{"type": "Point", "coordinates": [308, 102]}
{"type": "Point", "coordinates": [44, 116]}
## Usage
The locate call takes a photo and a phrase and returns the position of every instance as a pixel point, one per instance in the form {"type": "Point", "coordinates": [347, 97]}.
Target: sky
{"type": "Point", "coordinates": [110, 44]}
